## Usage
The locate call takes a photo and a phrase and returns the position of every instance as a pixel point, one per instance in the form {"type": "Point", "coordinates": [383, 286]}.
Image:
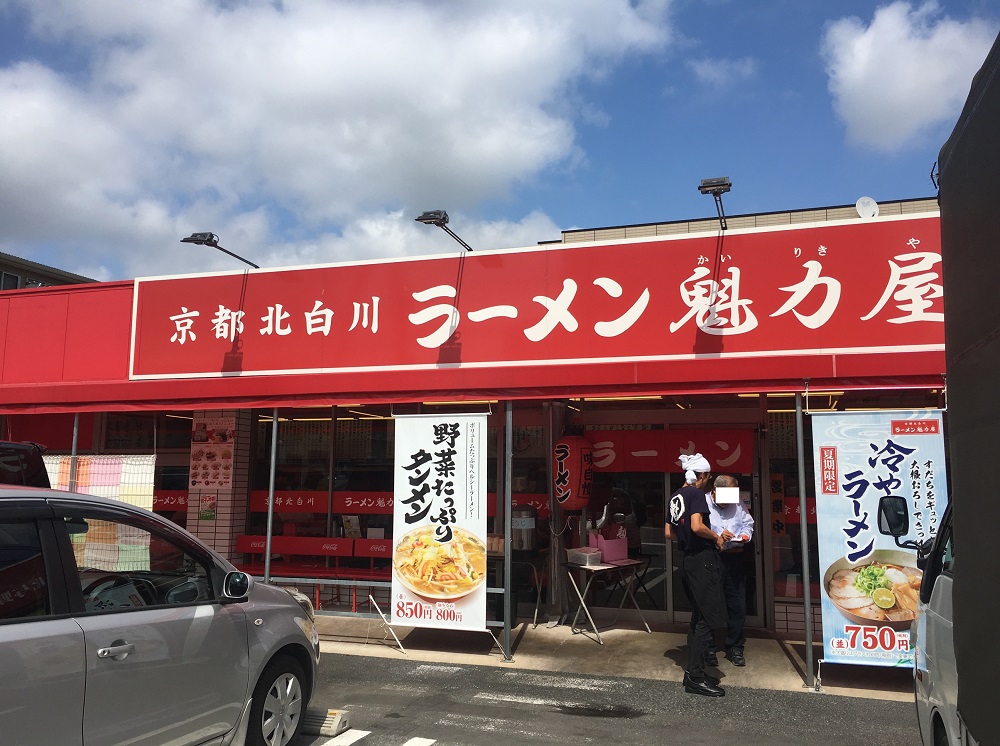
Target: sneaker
{"type": "Point", "coordinates": [711, 659]}
{"type": "Point", "coordinates": [736, 657]}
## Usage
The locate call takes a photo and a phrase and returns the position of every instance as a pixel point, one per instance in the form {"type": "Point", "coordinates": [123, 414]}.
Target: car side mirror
{"type": "Point", "coordinates": [893, 516]}
{"type": "Point", "coordinates": [923, 552]}
{"type": "Point", "coordinates": [236, 586]}
{"type": "Point", "coordinates": [894, 520]}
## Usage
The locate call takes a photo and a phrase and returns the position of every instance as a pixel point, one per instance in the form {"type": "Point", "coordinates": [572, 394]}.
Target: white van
{"type": "Point", "coordinates": [935, 676]}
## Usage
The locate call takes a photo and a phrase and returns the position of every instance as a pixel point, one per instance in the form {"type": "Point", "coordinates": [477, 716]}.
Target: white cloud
{"type": "Point", "coordinates": [290, 123]}
{"type": "Point", "coordinates": [397, 235]}
{"type": "Point", "coordinates": [723, 73]}
{"type": "Point", "coordinates": [905, 73]}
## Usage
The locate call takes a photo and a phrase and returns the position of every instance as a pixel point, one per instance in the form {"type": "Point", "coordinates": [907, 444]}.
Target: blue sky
{"type": "Point", "coordinates": [304, 132]}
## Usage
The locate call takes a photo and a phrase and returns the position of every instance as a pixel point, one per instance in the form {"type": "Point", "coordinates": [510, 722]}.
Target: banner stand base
{"type": "Point", "coordinates": [819, 677]}
{"type": "Point", "coordinates": [387, 625]}
{"type": "Point", "coordinates": [508, 658]}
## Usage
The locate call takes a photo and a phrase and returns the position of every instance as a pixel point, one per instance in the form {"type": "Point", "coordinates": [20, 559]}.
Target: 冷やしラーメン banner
{"type": "Point", "coordinates": [869, 586]}
{"type": "Point", "coordinates": [439, 522]}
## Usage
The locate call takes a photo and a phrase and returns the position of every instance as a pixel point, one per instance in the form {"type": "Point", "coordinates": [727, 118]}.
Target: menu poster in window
{"type": "Point", "coordinates": [212, 449]}
{"type": "Point", "coordinates": [869, 586]}
{"type": "Point", "coordinates": [352, 526]}
{"type": "Point", "coordinates": [206, 506]}
{"type": "Point", "coordinates": [439, 522]}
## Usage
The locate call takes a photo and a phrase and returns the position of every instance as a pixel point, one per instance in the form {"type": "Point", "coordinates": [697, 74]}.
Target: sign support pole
{"type": "Point", "coordinates": [804, 534]}
{"type": "Point", "coordinates": [508, 475]}
{"type": "Point", "coordinates": [73, 456]}
{"type": "Point", "coordinates": [270, 496]}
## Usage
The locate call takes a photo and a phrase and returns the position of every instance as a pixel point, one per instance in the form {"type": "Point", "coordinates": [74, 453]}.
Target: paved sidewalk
{"type": "Point", "coordinates": [628, 650]}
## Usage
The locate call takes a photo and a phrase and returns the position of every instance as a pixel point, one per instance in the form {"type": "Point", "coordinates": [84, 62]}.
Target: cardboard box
{"type": "Point", "coordinates": [612, 550]}
{"type": "Point", "coordinates": [584, 556]}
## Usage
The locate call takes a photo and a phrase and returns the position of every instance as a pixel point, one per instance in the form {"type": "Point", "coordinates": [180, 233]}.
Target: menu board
{"type": "Point", "coordinates": [212, 450]}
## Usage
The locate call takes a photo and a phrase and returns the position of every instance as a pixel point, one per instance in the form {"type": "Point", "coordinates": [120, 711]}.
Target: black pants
{"type": "Point", "coordinates": [703, 585]}
{"type": "Point", "coordinates": [734, 584]}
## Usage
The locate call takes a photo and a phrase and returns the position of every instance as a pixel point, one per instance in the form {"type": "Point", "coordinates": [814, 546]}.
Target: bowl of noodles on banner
{"type": "Point", "coordinates": [440, 571]}
{"type": "Point", "coordinates": [883, 588]}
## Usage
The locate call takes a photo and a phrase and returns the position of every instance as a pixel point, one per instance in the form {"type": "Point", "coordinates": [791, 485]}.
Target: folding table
{"type": "Point", "coordinates": [623, 571]}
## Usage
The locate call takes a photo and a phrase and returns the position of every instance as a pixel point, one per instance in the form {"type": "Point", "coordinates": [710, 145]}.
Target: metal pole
{"type": "Point", "coordinates": [237, 256]}
{"type": "Point", "coordinates": [333, 473]}
{"type": "Point", "coordinates": [508, 475]}
{"type": "Point", "coordinates": [454, 235]}
{"type": "Point", "coordinates": [72, 453]}
{"type": "Point", "coordinates": [270, 497]}
{"type": "Point", "coordinates": [557, 598]}
{"type": "Point", "coordinates": [804, 537]}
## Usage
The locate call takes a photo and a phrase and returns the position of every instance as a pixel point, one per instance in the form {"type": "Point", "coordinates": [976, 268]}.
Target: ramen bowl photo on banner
{"type": "Point", "coordinates": [870, 586]}
{"type": "Point", "coordinates": [439, 522]}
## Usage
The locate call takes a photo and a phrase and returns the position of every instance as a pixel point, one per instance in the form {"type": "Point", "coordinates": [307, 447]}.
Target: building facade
{"type": "Point", "coordinates": [266, 398]}
{"type": "Point", "coordinates": [21, 273]}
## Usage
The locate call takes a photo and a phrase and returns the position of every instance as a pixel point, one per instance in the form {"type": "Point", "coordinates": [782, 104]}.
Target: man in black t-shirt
{"type": "Point", "coordinates": [688, 525]}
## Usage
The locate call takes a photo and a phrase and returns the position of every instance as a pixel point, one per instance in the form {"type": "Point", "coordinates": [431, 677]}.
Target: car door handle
{"type": "Point", "coordinates": [117, 650]}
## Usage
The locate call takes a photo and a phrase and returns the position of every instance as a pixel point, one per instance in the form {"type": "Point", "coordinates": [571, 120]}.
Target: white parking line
{"type": "Point", "coordinates": [347, 738]}
{"type": "Point", "coordinates": [353, 736]}
{"type": "Point", "coordinates": [527, 700]}
{"type": "Point", "coordinates": [441, 669]}
{"type": "Point", "coordinates": [506, 729]}
{"type": "Point", "coordinates": [564, 682]}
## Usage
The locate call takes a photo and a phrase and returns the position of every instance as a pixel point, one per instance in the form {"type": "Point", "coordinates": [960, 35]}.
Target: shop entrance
{"type": "Point", "coordinates": [637, 495]}
{"type": "Point", "coordinates": [751, 557]}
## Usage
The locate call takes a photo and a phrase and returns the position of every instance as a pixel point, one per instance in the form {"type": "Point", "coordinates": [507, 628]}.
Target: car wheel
{"type": "Point", "coordinates": [278, 704]}
{"type": "Point", "coordinates": [940, 734]}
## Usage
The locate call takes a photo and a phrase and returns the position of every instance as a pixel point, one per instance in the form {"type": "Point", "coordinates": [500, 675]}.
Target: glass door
{"type": "Point", "coordinates": [751, 556]}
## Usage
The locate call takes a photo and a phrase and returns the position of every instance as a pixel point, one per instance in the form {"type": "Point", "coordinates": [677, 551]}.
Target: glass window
{"type": "Point", "coordinates": [24, 588]}
{"type": "Point", "coordinates": [122, 566]}
{"type": "Point", "coordinates": [140, 431]}
{"type": "Point", "coordinates": [9, 281]}
{"type": "Point", "coordinates": [947, 552]}
{"type": "Point", "coordinates": [22, 464]}
{"type": "Point", "coordinates": [302, 473]}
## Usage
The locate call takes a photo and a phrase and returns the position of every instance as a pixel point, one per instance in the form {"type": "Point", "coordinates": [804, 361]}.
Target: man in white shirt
{"type": "Point", "coordinates": [734, 524]}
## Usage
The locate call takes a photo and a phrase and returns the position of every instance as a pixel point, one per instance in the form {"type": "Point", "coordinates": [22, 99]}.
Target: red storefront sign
{"type": "Point", "coordinates": [164, 500]}
{"type": "Point", "coordinates": [728, 451]}
{"type": "Point", "coordinates": [914, 427]}
{"type": "Point", "coordinates": [572, 472]}
{"type": "Point", "coordinates": [828, 470]}
{"type": "Point", "coordinates": [793, 510]}
{"type": "Point", "coordinates": [836, 288]}
{"type": "Point", "coordinates": [364, 503]}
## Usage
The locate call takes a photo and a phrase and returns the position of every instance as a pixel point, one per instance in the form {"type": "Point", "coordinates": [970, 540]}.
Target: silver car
{"type": "Point", "coordinates": [116, 626]}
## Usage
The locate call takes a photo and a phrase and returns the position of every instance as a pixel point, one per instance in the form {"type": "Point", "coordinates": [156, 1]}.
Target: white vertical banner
{"type": "Point", "coordinates": [439, 522]}
{"type": "Point", "coordinates": [870, 586]}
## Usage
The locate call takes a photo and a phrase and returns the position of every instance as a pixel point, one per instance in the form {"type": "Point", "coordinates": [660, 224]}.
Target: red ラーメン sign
{"type": "Point", "coordinates": [831, 288]}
